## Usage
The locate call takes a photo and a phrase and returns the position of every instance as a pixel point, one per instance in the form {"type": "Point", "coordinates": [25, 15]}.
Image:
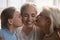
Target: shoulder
{"type": "Point", "coordinates": [51, 37]}
{"type": "Point", "coordinates": [1, 32]}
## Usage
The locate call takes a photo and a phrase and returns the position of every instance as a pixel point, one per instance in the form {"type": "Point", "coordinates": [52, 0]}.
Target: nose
{"type": "Point", "coordinates": [29, 18]}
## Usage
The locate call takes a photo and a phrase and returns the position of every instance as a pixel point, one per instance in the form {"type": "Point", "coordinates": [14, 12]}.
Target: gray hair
{"type": "Point", "coordinates": [56, 17]}
{"type": "Point", "coordinates": [47, 13]}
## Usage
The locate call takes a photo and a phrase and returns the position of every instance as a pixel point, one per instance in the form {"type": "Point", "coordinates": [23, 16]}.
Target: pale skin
{"type": "Point", "coordinates": [14, 23]}
{"type": "Point", "coordinates": [44, 23]}
{"type": "Point", "coordinates": [28, 18]}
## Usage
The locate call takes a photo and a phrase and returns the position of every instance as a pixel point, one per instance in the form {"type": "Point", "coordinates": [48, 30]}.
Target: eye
{"type": "Point", "coordinates": [33, 15]}
{"type": "Point", "coordinates": [25, 15]}
{"type": "Point", "coordinates": [46, 17]}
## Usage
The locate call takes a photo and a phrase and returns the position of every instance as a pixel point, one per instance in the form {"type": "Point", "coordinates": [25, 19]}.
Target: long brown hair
{"type": "Point", "coordinates": [5, 15]}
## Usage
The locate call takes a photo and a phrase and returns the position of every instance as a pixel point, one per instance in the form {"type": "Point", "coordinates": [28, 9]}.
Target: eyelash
{"type": "Point", "coordinates": [25, 15]}
{"type": "Point", "coordinates": [31, 15]}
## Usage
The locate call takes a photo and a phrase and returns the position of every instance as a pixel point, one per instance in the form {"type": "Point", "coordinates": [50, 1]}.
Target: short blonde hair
{"type": "Point", "coordinates": [25, 6]}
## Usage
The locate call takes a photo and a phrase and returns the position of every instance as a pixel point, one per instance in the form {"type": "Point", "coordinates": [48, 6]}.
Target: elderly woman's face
{"type": "Point", "coordinates": [43, 22]}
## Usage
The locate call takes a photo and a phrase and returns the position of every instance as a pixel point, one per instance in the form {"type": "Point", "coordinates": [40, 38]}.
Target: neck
{"type": "Point", "coordinates": [12, 29]}
{"type": "Point", "coordinates": [48, 34]}
{"type": "Point", "coordinates": [47, 30]}
{"type": "Point", "coordinates": [26, 30]}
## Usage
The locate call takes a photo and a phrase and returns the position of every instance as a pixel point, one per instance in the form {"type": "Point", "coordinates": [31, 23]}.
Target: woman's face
{"type": "Point", "coordinates": [43, 22]}
{"type": "Point", "coordinates": [29, 16]}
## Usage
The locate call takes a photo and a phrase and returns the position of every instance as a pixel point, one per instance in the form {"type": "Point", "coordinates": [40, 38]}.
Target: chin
{"type": "Point", "coordinates": [18, 26]}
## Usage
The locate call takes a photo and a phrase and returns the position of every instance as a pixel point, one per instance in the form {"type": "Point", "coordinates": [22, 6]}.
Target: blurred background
{"type": "Point", "coordinates": [18, 3]}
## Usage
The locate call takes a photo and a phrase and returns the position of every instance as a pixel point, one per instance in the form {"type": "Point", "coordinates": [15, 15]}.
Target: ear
{"type": "Point", "coordinates": [10, 21]}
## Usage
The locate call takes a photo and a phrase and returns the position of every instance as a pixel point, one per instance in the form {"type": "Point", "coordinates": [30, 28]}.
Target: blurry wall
{"type": "Point", "coordinates": [19, 3]}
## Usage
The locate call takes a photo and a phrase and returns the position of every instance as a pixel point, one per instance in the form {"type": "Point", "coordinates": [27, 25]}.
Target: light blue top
{"type": "Point", "coordinates": [7, 35]}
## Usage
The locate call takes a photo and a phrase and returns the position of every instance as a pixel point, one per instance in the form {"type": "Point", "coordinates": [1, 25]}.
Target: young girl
{"type": "Point", "coordinates": [10, 20]}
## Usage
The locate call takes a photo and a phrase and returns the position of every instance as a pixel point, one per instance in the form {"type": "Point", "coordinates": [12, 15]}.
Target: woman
{"type": "Point", "coordinates": [56, 17]}
{"type": "Point", "coordinates": [46, 23]}
{"type": "Point", "coordinates": [28, 13]}
{"type": "Point", "coordinates": [10, 20]}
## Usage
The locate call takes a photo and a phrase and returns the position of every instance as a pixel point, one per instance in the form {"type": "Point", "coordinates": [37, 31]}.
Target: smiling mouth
{"type": "Point", "coordinates": [29, 23]}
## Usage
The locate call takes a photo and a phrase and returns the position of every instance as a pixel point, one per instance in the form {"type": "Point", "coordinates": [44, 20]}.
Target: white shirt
{"type": "Point", "coordinates": [21, 35]}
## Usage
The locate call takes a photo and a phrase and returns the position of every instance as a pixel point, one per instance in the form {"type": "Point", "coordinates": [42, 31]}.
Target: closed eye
{"type": "Point", "coordinates": [33, 15]}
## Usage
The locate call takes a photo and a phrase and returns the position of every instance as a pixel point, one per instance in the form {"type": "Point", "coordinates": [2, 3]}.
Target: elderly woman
{"type": "Point", "coordinates": [56, 17]}
{"type": "Point", "coordinates": [46, 23]}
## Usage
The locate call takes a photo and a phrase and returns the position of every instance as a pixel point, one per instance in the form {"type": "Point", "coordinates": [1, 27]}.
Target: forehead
{"type": "Point", "coordinates": [43, 17]}
{"type": "Point", "coordinates": [16, 13]}
{"type": "Point", "coordinates": [29, 9]}
{"type": "Point", "coordinates": [45, 14]}
{"type": "Point", "coordinates": [40, 18]}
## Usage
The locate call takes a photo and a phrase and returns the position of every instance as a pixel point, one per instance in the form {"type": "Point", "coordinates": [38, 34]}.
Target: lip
{"type": "Point", "coordinates": [29, 23]}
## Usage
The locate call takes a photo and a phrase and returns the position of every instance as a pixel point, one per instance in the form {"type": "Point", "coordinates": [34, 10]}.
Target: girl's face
{"type": "Point", "coordinates": [29, 16]}
{"type": "Point", "coordinates": [43, 22]}
{"type": "Point", "coordinates": [16, 20]}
